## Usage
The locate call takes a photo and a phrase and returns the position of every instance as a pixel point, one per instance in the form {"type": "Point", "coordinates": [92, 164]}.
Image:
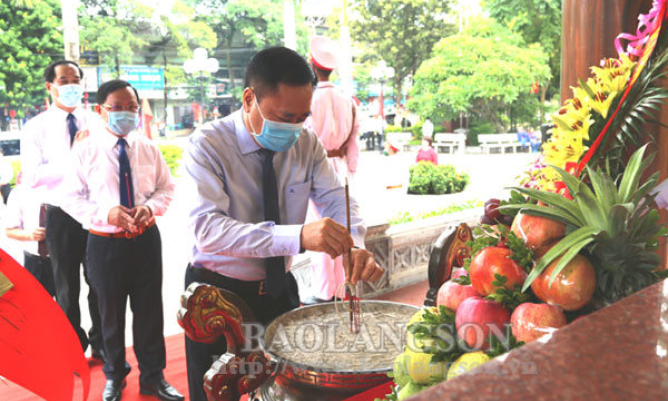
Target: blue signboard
{"type": "Point", "coordinates": [142, 78]}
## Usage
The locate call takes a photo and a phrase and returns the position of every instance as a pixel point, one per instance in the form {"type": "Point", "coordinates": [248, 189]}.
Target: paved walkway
{"type": "Point", "coordinates": [489, 175]}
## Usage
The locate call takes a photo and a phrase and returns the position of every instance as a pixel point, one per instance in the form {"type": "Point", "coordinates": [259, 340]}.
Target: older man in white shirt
{"type": "Point", "coordinates": [46, 144]}
{"type": "Point", "coordinates": [118, 183]}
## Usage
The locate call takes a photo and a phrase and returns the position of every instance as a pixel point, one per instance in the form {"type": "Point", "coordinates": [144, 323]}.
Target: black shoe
{"type": "Point", "coordinates": [99, 353]}
{"type": "Point", "coordinates": [112, 390]}
{"type": "Point", "coordinates": [161, 389]}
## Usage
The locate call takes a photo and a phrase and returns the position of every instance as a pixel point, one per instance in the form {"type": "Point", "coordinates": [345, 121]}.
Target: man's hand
{"type": "Point", "coordinates": [142, 215]}
{"type": "Point", "coordinates": [120, 216]}
{"type": "Point", "coordinates": [80, 136]}
{"type": "Point", "coordinates": [38, 234]}
{"type": "Point", "coordinates": [326, 235]}
{"type": "Point", "coordinates": [365, 267]}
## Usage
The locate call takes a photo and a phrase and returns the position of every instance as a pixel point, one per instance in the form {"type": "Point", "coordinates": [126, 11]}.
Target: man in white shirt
{"type": "Point", "coordinates": [428, 128]}
{"type": "Point", "coordinates": [6, 175]}
{"type": "Point", "coordinates": [334, 120]}
{"type": "Point", "coordinates": [46, 143]}
{"type": "Point", "coordinates": [117, 184]}
{"type": "Point", "coordinates": [22, 223]}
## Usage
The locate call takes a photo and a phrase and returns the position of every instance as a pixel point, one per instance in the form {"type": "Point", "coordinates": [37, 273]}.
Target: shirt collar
{"type": "Point", "coordinates": [244, 138]}
{"type": "Point", "coordinates": [111, 141]}
{"type": "Point", "coordinates": [78, 112]}
{"type": "Point", "coordinates": [325, 84]}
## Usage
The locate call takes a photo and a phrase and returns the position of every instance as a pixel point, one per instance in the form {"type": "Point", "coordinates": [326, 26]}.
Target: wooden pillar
{"type": "Point", "coordinates": [588, 35]}
{"type": "Point", "coordinates": [589, 29]}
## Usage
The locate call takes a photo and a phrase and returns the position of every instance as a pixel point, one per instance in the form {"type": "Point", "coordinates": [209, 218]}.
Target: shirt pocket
{"type": "Point", "coordinates": [296, 198]}
{"type": "Point", "coordinates": [146, 180]}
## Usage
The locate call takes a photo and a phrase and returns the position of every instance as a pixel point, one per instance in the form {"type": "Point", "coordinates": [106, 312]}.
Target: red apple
{"type": "Point", "coordinates": [494, 260]}
{"type": "Point", "coordinates": [572, 288]}
{"type": "Point", "coordinates": [457, 272]}
{"type": "Point", "coordinates": [538, 233]}
{"type": "Point", "coordinates": [452, 294]}
{"type": "Point", "coordinates": [530, 321]}
{"type": "Point", "coordinates": [476, 317]}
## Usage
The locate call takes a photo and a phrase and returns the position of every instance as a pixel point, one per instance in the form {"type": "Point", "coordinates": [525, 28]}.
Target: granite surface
{"type": "Point", "coordinates": [617, 353]}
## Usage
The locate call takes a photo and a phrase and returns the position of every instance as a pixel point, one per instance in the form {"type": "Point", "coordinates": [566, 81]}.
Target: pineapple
{"type": "Point", "coordinates": [616, 226]}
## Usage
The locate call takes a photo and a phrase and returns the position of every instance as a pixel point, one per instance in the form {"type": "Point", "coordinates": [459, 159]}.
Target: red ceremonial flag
{"type": "Point", "coordinates": [39, 349]}
{"type": "Point", "coordinates": [147, 117]}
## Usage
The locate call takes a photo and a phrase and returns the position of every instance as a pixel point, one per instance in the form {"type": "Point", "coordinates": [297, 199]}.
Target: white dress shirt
{"type": "Point", "coordinates": [232, 237]}
{"type": "Point", "coordinates": [91, 186]}
{"type": "Point", "coordinates": [22, 212]}
{"type": "Point", "coordinates": [45, 149]}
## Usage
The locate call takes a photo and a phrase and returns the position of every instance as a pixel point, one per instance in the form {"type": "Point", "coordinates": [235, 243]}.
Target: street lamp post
{"type": "Point", "coordinates": [201, 63]}
{"type": "Point", "coordinates": [381, 73]}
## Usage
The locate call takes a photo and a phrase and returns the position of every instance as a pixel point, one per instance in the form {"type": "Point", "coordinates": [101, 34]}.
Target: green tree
{"type": "Point", "coordinates": [538, 21]}
{"type": "Point", "coordinates": [29, 40]}
{"type": "Point", "coordinates": [253, 23]}
{"type": "Point", "coordinates": [109, 27]}
{"type": "Point", "coordinates": [402, 32]}
{"type": "Point", "coordinates": [481, 71]}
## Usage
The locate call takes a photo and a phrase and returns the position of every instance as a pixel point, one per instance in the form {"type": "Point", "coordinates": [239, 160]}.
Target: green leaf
{"type": "Point", "coordinates": [631, 175]}
{"type": "Point", "coordinates": [592, 211]}
{"type": "Point", "coordinates": [604, 188]}
{"type": "Point", "coordinates": [617, 217]}
{"type": "Point", "coordinates": [572, 183]}
{"type": "Point", "coordinates": [567, 257]}
{"type": "Point", "coordinates": [550, 213]}
{"type": "Point", "coordinates": [571, 240]}
{"type": "Point", "coordinates": [586, 87]}
{"type": "Point", "coordinates": [554, 200]}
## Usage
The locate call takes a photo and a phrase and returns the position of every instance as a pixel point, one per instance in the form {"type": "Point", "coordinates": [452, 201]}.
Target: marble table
{"type": "Point", "coordinates": [617, 353]}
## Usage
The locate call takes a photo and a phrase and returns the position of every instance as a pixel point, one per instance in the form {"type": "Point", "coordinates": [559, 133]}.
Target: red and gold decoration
{"type": "Point", "coordinates": [39, 349]}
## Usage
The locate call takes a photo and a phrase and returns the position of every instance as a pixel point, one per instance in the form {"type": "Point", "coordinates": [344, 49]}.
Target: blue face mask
{"type": "Point", "coordinates": [275, 135]}
{"type": "Point", "coordinates": [69, 95]}
{"type": "Point", "coordinates": [122, 122]}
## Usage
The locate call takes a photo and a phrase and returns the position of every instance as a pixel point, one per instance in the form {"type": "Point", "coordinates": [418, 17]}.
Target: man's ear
{"type": "Point", "coordinates": [48, 86]}
{"type": "Point", "coordinates": [98, 109]}
{"type": "Point", "coordinates": [247, 99]}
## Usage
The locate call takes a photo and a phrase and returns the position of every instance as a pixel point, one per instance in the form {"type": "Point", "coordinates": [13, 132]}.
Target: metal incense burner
{"type": "Point", "coordinates": [278, 369]}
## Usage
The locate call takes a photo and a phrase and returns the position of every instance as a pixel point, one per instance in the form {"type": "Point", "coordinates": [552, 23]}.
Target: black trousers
{"type": "Point", "coordinates": [40, 268]}
{"type": "Point", "coordinates": [121, 268]}
{"type": "Point", "coordinates": [4, 191]}
{"type": "Point", "coordinates": [66, 242]}
{"type": "Point", "coordinates": [199, 357]}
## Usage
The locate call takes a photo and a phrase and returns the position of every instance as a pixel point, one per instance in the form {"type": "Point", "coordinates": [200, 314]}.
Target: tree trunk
{"type": "Point", "coordinates": [543, 95]}
{"type": "Point", "coordinates": [397, 90]}
{"type": "Point", "coordinates": [228, 54]}
{"type": "Point", "coordinates": [117, 63]}
{"type": "Point", "coordinates": [164, 77]}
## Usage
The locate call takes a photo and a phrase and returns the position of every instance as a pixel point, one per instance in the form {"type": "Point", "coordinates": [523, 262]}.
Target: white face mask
{"type": "Point", "coordinates": [69, 95]}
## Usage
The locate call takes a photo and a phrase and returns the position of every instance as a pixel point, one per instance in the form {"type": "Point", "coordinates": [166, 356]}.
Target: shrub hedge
{"type": "Point", "coordinates": [427, 178]}
{"type": "Point", "coordinates": [172, 155]}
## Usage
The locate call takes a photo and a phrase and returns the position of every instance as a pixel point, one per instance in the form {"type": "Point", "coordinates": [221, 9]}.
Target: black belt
{"type": "Point", "coordinates": [232, 284]}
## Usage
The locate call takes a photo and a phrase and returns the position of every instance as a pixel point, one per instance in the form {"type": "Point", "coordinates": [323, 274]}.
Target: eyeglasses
{"type": "Point", "coordinates": [131, 109]}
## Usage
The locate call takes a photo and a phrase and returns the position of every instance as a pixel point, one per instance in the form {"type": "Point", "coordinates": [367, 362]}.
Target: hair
{"type": "Point", "coordinates": [320, 71]}
{"type": "Point", "coordinates": [108, 87]}
{"type": "Point", "coordinates": [277, 65]}
{"type": "Point", "coordinates": [50, 72]}
{"type": "Point", "coordinates": [428, 139]}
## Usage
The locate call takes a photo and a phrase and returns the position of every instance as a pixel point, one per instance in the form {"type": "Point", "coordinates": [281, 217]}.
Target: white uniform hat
{"type": "Point", "coordinates": [324, 53]}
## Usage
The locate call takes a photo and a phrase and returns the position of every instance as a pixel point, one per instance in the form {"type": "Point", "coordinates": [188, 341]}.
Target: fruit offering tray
{"type": "Point", "coordinates": [619, 352]}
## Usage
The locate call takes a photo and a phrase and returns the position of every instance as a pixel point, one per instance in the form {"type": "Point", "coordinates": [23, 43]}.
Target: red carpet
{"type": "Point", "coordinates": [175, 373]}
